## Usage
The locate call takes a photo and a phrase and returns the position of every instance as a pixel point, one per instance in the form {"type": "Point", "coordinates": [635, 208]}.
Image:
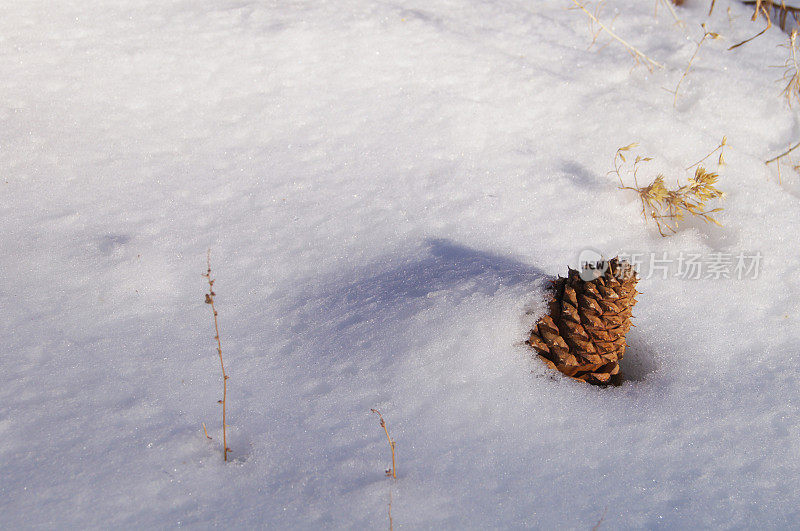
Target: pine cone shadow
{"type": "Point", "coordinates": [638, 364]}
{"type": "Point", "coordinates": [356, 310]}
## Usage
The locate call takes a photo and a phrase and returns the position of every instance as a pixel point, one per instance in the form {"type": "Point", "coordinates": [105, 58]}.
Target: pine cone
{"type": "Point", "coordinates": [584, 335]}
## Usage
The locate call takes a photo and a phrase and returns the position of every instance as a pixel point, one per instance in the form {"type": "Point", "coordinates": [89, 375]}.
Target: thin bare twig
{"type": "Point", "coordinates": [599, 522]}
{"type": "Point", "coordinates": [210, 300]}
{"type": "Point", "coordinates": [391, 523]}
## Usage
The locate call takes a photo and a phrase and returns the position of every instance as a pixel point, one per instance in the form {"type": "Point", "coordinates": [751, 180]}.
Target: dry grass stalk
{"type": "Point", "coordinates": [206, 431]}
{"type": "Point", "coordinates": [210, 300]}
{"type": "Point", "coordinates": [637, 55]}
{"type": "Point", "coordinates": [760, 9]}
{"type": "Point", "coordinates": [706, 35]}
{"type": "Point", "coordinates": [392, 472]}
{"type": "Point", "coordinates": [668, 207]}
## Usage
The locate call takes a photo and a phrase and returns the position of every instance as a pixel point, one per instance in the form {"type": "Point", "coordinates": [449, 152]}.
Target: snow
{"type": "Point", "coordinates": [386, 189]}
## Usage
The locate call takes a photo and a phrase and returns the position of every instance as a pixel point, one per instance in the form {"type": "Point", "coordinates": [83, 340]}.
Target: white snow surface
{"type": "Point", "coordinates": [386, 188]}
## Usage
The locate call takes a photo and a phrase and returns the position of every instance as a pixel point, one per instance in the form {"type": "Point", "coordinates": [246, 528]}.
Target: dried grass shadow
{"type": "Point", "coordinates": [581, 175]}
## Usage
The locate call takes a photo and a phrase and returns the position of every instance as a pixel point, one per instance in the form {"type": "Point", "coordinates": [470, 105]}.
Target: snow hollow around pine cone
{"type": "Point", "coordinates": [584, 334]}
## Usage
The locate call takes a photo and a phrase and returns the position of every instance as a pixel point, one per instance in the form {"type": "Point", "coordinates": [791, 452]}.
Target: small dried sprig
{"type": "Point", "coordinates": [210, 300]}
{"type": "Point", "coordinates": [706, 35]}
{"type": "Point", "coordinates": [392, 472]}
{"type": "Point", "coordinates": [638, 56]}
{"type": "Point", "coordinates": [792, 73]}
{"type": "Point", "coordinates": [668, 207]}
{"type": "Point", "coordinates": [720, 159]}
{"type": "Point", "coordinates": [620, 160]}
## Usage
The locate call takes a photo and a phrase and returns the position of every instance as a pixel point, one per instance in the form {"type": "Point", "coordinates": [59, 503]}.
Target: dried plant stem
{"type": "Point", "coordinates": [706, 34]}
{"type": "Point", "coordinates": [206, 431]}
{"type": "Point", "coordinates": [784, 153]}
{"type": "Point", "coordinates": [759, 34]}
{"type": "Point", "coordinates": [636, 53]}
{"type": "Point", "coordinates": [210, 300]}
{"type": "Point", "coordinates": [393, 471]}
{"type": "Point", "coordinates": [711, 9]}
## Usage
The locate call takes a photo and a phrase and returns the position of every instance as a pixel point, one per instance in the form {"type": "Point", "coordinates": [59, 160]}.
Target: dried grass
{"type": "Point", "coordinates": [667, 207]}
